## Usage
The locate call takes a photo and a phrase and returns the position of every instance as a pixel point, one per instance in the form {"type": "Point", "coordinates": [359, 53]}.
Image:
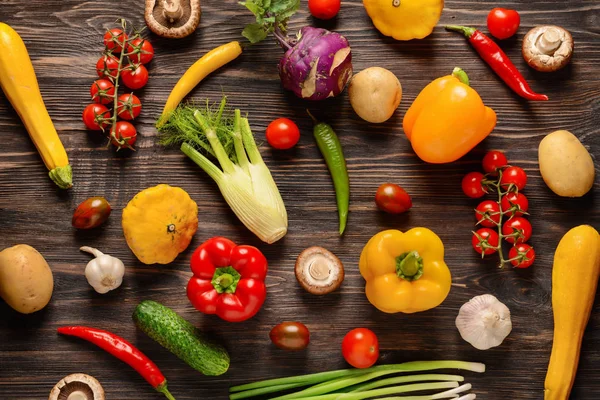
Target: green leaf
{"type": "Point", "coordinates": [254, 33]}
{"type": "Point", "coordinates": [283, 9]}
{"type": "Point", "coordinates": [255, 7]}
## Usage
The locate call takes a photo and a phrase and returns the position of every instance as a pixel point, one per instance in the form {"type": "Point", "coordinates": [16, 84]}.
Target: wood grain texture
{"type": "Point", "coordinates": [64, 41]}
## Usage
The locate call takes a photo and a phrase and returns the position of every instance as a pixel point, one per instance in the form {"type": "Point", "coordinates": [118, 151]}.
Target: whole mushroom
{"type": "Point", "coordinates": [548, 48]}
{"type": "Point", "coordinates": [77, 387]}
{"type": "Point", "coordinates": [172, 18]}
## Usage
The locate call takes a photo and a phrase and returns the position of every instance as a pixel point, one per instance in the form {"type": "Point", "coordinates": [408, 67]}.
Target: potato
{"type": "Point", "coordinates": [26, 281]}
{"type": "Point", "coordinates": [375, 93]}
{"type": "Point", "coordinates": [566, 166]}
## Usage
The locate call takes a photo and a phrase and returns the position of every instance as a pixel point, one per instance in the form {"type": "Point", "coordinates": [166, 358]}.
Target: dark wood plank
{"type": "Point", "coordinates": [64, 41]}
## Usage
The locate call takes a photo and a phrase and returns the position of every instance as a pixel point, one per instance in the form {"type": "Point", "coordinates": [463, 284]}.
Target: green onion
{"type": "Point", "coordinates": [384, 392]}
{"type": "Point", "coordinates": [243, 178]}
{"type": "Point", "coordinates": [405, 379]}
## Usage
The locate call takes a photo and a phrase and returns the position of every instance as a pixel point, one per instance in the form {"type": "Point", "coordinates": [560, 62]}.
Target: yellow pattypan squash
{"type": "Point", "coordinates": [159, 223]}
{"type": "Point", "coordinates": [405, 19]}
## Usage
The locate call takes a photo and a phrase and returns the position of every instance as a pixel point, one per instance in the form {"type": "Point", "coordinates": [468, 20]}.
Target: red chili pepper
{"type": "Point", "coordinates": [499, 61]}
{"type": "Point", "coordinates": [228, 279]}
{"type": "Point", "coordinates": [124, 351]}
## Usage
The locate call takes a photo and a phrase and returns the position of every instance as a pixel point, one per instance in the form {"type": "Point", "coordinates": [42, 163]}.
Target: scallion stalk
{"type": "Point", "coordinates": [384, 392]}
{"type": "Point", "coordinates": [406, 379]}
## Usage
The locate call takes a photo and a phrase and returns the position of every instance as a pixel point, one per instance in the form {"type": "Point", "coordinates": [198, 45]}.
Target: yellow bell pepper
{"type": "Point", "coordinates": [447, 119]}
{"type": "Point", "coordinates": [405, 272]}
{"type": "Point", "coordinates": [404, 19]}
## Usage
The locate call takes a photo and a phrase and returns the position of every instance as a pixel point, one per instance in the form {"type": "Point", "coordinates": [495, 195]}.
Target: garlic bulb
{"type": "Point", "coordinates": [104, 273]}
{"type": "Point", "coordinates": [484, 322]}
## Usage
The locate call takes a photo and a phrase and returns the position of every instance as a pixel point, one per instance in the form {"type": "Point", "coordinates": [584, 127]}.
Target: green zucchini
{"type": "Point", "coordinates": [181, 338]}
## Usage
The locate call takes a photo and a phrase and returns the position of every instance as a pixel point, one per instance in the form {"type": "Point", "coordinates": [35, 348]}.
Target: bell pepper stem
{"type": "Point", "coordinates": [225, 280]}
{"type": "Point", "coordinates": [461, 75]}
{"type": "Point", "coordinates": [409, 266]}
{"type": "Point", "coordinates": [465, 30]}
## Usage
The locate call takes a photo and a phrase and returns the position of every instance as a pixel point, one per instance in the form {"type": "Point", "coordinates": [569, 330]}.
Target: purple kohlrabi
{"type": "Point", "coordinates": [318, 66]}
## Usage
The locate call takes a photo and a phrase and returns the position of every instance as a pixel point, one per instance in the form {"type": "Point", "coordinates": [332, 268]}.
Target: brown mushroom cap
{"type": "Point", "coordinates": [172, 18]}
{"type": "Point", "coordinates": [548, 48]}
{"type": "Point", "coordinates": [77, 387]}
{"type": "Point", "coordinates": [319, 271]}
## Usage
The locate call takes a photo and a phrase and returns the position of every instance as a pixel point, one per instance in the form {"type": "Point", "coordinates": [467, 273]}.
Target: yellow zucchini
{"type": "Point", "coordinates": [19, 84]}
{"type": "Point", "coordinates": [575, 276]}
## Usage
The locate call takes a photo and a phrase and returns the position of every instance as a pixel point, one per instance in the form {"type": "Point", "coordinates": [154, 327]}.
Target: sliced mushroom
{"type": "Point", "coordinates": [548, 48]}
{"type": "Point", "coordinates": [77, 387]}
{"type": "Point", "coordinates": [319, 271]}
{"type": "Point", "coordinates": [172, 18]}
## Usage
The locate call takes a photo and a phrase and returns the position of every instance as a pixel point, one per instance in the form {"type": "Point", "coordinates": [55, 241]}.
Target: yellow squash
{"type": "Point", "coordinates": [575, 276]}
{"type": "Point", "coordinates": [159, 223]}
{"type": "Point", "coordinates": [405, 19]}
{"type": "Point", "coordinates": [19, 84]}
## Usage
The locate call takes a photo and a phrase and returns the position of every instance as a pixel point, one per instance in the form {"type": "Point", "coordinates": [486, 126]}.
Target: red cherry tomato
{"type": "Point", "coordinates": [515, 176]}
{"type": "Point", "coordinates": [487, 236]}
{"type": "Point", "coordinates": [494, 160]}
{"type": "Point", "coordinates": [360, 348]}
{"type": "Point", "coordinates": [114, 40]}
{"type": "Point", "coordinates": [95, 116]}
{"type": "Point", "coordinates": [135, 76]}
{"type": "Point", "coordinates": [102, 91]}
{"type": "Point", "coordinates": [283, 134]}
{"type": "Point", "coordinates": [324, 9]}
{"type": "Point", "coordinates": [521, 256]}
{"type": "Point", "coordinates": [503, 23]}
{"type": "Point", "coordinates": [107, 66]}
{"type": "Point", "coordinates": [128, 106]}
{"type": "Point", "coordinates": [143, 52]}
{"type": "Point", "coordinates": [471, 185]}
{"type": "Point", "coordinates": [518, 201]}
{"type": "Point", "coordinates": [517, 224]}
{"type": "Point", "coordinates": [91, 213]}
{"type": "Point", "coordinates": [392, 199]}
{"type": "Point", "coordinates": [488, 208]}
{"type": "Point", "coordinates": [124, 135]}
{"type": "Point", "coordinates": [290, 336]}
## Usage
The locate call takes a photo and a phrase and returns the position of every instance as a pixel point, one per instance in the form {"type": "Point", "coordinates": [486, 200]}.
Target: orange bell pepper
{"type": "Point", "coordinates": [447, 119]}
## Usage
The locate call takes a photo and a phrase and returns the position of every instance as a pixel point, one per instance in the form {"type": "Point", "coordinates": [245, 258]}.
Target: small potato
{"type": "Point", "coordinates": [375, 93]}
{"type": "Point", "coordinates": [26, 281]}
{"type": "Point", "coordinates": [566, 166]}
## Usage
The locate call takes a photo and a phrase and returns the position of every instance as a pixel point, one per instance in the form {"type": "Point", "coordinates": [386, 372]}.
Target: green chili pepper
{"type": "Point", "coordinates": [331, 149]}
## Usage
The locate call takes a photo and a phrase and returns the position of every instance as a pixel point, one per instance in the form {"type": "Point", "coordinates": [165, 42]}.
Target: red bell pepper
{"type": "Point", "coordinates": [228, 279]}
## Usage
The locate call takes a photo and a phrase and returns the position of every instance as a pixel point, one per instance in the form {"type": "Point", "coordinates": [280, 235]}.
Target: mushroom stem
{"type": "Point", "coordinates": [172, 10]}
{"type": "Point", "coordinates": [549, 42]}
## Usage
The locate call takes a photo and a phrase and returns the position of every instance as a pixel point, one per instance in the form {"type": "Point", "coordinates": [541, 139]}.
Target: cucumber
{"type": "Point", "coordinates": [181, 338]}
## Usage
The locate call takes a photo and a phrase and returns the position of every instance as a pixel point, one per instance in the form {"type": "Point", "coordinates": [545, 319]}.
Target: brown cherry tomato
{"type": "Point", "coordinates": [91, 213]}
{"type": "Point", "coordinates": [392, 199]}
{"type": "Point", "coordinates": [290, 336]}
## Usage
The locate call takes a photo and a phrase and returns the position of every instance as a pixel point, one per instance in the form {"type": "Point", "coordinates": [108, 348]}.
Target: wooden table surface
{"type": "Point", "coordinates": [64, 40]}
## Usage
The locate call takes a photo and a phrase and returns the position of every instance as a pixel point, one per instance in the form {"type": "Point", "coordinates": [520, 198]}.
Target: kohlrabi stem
{"type": "Point", "coordinates": [215, 143]}
{"type": "Point", "coordinates": [281, 38]}
{"type": "Point", "coordinates": [238, 142]}
{"type": "Point", "coordinates": [211, 169]}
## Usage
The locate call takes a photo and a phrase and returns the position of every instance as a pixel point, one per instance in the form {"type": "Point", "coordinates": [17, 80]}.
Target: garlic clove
{"type": "Point", "coordinates": [484, 322]}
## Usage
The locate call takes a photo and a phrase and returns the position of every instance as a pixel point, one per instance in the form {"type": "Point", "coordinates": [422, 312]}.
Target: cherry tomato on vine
{"type": "Point", "coordinates": [360, 348]}
{"type": "Point", "coordinates": [517, 224]}
{"type": "Point", "coordinates": [503, 23]}
{"type": "Point", "coordinates": [290, 336]}
{"type": "Point", "coordinates": [471, 185]}
{"type": "Point", "coordinates": [324, 9]}
{"type": "Point", "coordinates": [487, 236]}
{"type": "Point", "coordinates": [283, 134]}
{"type": "Point", "coordinates": [94, 116]}
{"type": "Point", "coordinates": [128, 106]}
{"type": "Point", "coordinates": [492, 210]}
{"type": "Point", "coordinates": [135, 76]}
{"type": "Point", "coordinates": [392, 199]}
{"type": "Point", "coordinates": [107, 66]}
{"type": "Point", "coordinates": [494, 160]}
{"type": "Point", "coordinates": [114, 40]}
{"type": "Point", "coordinates": [521, 255]}
{"type": "Point", "coordinates": [124, 135]}
{"type": "Point", "coordinates": [515, 176]}
{"type": "Point", "coordinates": [91, 213]}
{"type": "Point", "coordinates": [143, 51]}
{"type": "Point", "coordinates": [511, 200]}
{"type": "Point", "coordinates": [102, 91]}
